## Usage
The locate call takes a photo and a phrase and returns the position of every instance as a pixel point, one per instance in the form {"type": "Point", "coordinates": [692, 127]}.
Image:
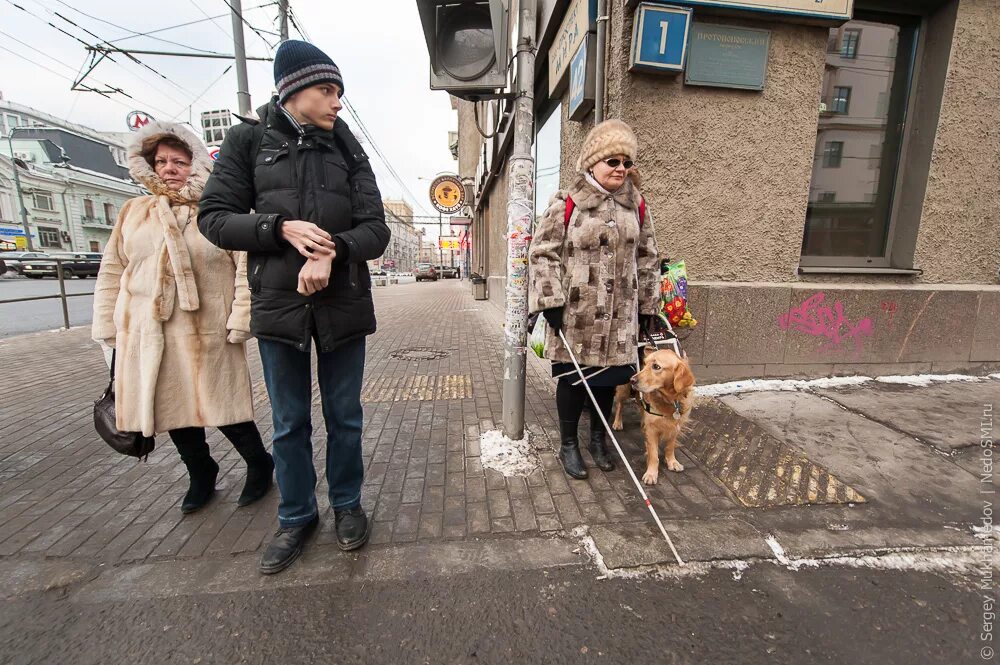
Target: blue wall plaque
{"type": "Point", "coordinates": [582, 81]}
{"type": "Point", "coordinates": [727, 57]}
{"type": "Point", "coordinates": [659, 38]}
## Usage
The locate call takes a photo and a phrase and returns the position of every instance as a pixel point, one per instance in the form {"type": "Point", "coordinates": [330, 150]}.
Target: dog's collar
{"type": "Point", "coordinates": [648, 409]}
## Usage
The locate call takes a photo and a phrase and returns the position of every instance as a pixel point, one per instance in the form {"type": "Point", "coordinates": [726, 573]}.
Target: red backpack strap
{"type": "Point", "coordinates": [570, 205]}
{"type": "Point", "coordinates": [642, 211]}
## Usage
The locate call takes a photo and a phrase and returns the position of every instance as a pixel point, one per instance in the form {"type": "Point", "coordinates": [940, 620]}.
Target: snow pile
{"type": "Point", "coordinates": [511, 458]}
{"type": "Point", "coordinates": [772, 385]}
{"type": "Point", "coordinates": [927, 379]}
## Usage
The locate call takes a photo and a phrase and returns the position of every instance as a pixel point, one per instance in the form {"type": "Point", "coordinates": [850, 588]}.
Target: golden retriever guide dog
{"type": "Point", "coordinates": [665, 387]}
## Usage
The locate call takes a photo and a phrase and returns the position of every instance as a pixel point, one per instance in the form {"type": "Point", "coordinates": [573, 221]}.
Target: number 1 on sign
{"type": "Point", "coordinates": [664, 25]}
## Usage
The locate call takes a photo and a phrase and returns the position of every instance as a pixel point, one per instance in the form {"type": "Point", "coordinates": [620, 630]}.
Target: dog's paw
{"type": "Point", "coordinates": [650, 477]}
{"type": "Point", "coordinates": [617, 426]}
{"type": "Point", "coordinates": [674, 465]}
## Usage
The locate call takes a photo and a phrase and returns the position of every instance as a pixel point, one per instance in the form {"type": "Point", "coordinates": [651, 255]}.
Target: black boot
{"type": "Point", "coordinates": [245, 437]}
{"type": "Point", "coordinates": [258, 482]}
{"type": "Point", "coordinates": [569, 451]}
{"type": "Point", "coordinates": [202, 474]}
{"type": "Point", "coordinates": [202, 469]}
{"type": "Point", "coordinates": [285, 547]}
{"type": "Point", "coordinates": [598, 447]}
{"type": "Point", "coordinates": [352, 528]}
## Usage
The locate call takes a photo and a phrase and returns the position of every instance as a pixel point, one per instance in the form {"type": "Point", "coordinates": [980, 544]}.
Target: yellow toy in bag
{"type": "Point", "coordinates": [673, 295]}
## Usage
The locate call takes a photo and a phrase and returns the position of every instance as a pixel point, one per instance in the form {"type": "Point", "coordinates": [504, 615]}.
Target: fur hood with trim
{"type": "Point", "coordinates": [143, 173]}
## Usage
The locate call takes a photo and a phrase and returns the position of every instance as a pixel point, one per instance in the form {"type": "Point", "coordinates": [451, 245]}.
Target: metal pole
{"type": "Point", "coordinates": [520, 220]}
{"type": "Point", "coordinates": [602, 29]}
{"type": "Point", "coordinates": [283, 19]}
{"type": "Point", "coordinates": [20, 195]}
{"type": "Point", "coordinates": [62, 292]}
{"type": "Point", "coordinates": [440, 236]}
{"type": "Point", "coordinates": [240, 55]}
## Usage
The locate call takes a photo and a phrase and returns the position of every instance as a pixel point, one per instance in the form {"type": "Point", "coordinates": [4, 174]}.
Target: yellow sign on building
{"type": "Point", "coordinates": [447, 194]}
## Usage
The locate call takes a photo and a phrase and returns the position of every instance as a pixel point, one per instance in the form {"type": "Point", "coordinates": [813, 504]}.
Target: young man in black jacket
{"type": "Point", "coordinates": [317, 219]}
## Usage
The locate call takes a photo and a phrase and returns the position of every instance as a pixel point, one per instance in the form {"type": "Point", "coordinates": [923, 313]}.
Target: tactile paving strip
{"type": "Point", "coordinates": [761, 470]}
{"type": "Point", "coordinates": [417, 387]}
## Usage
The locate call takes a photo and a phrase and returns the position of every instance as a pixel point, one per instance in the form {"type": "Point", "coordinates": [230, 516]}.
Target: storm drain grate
{"type": "Point", "coordinates": [418, 353]}
{"type": "Point", "coordinates": [418, 387]}
{"type": "Point", "coordinates": [762, 471]}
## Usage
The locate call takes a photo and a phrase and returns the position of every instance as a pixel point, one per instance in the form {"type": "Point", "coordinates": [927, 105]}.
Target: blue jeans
{"type": "Point", "coordinates": [288, 375]}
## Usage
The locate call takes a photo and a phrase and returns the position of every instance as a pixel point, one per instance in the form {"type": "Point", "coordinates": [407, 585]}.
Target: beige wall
{"type": "Point", "coordinates": [726, 172]}
{"type": "Point", "coordinates": [959, 236]}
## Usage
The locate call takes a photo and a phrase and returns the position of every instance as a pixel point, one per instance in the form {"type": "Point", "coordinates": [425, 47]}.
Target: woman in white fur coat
{"type": "Point", "coordinates": [176, 308]}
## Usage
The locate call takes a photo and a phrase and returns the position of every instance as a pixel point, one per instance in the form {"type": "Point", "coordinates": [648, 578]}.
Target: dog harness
{"type": "Point", "coordinates": [648, 409]}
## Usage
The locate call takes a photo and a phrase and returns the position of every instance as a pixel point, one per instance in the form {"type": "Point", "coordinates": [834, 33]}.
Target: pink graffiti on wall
{"type": "Point", "coordinates": [816, 318]}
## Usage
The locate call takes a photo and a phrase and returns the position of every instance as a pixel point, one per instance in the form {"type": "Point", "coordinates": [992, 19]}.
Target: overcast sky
{"type": "Point", "coordinates": [378, 45]}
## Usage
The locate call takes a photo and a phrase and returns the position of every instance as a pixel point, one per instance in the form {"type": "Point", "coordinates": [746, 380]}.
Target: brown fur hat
{"type": "Point", "coordinates": [611, 137]}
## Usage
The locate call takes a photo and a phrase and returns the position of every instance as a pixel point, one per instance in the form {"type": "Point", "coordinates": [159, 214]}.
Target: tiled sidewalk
{"type": "Point", "coordinates": [438, 355]}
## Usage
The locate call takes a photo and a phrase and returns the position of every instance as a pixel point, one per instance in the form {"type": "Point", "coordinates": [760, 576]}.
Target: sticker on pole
{"type": "Point", "coordinates": [136, 120]}
{"type": "Point", "coordinates": [447, 194]}
{"type": "Point", "coordinates": [213, 153]}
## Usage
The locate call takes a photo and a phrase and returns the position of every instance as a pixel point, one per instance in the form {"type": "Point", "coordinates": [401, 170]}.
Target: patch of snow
{"type": "Point", "coordinates": [776, 385]}
{"type": "Point", "coordinates": [927, 379]}
{"type": "Point", "coordinates": [511, 458]}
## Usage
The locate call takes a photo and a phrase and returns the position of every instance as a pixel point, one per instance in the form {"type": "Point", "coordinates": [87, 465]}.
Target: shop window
{"type": "Point", "coordinates": [547, 159]}
{"type": "Point", "coordinates": [43, 201]}
{"type": "Point", "coordinates": [849, 43]}
{"type": "Point", "coordinates": [49, 237]}
{"type": "Point", "coordinates": [841, 99]}
{"type": "Point", "coordinates": [833, 154]}
{"type": "Point", "coordinates": [863, 132]}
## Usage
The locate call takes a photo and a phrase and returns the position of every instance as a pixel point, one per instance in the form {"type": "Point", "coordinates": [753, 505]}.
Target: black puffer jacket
{"type": "Point", "coordinates": [322, 177]}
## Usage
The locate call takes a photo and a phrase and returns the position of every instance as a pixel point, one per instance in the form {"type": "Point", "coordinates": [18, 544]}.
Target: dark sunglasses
{"type": "Point", "coordinates": [614, 163]}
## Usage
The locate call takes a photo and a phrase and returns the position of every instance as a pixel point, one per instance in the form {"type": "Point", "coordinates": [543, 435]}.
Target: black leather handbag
{"type": "Point", "coordinates": [133, 444]}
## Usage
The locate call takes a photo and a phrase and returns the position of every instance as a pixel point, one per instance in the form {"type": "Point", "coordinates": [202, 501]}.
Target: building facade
{"type": "Point", "coordinates": [840, 219]}
{"type": "Point", "coordinates": [215, 125]}
{"type": "Point", "coordinates": [402, 253]}
{"type": "Point", "coordinates": [74, 181]}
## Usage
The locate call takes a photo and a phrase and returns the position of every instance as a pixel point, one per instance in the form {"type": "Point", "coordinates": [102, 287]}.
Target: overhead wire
{"type": "Point", "coordinates": [136, 32]}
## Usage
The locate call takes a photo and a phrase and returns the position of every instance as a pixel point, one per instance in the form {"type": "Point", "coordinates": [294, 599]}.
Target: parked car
{"type": "Point", "coordinates": [449, 272]}
{"type": "Point", "coordinates": [426, 271]}
{"type": "Point", "coordinates": [15, 259]}
{"type": "Point", "coordinates": [75, 264]}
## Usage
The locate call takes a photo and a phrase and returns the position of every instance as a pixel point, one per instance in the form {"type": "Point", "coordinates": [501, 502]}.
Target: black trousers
{"type": "Point", "coordinates": [245, 437]}
{"type": "Point", "coordinates": [571, 400]}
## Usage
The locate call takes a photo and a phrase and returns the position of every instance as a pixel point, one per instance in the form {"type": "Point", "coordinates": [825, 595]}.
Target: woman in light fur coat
{"type": "Point", "coordinates": [176, 308]}
{"type": "Point", "coordinates": [595, 276]}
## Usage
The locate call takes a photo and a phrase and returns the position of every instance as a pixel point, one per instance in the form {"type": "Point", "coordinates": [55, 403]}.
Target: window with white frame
{"type": "Point", "coordinates": [43, 201]}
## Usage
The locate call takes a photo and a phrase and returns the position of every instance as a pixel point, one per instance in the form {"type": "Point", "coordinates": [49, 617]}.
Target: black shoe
{"type": "Point", "coordinates": [202, 477]}
{"type": "Point", "coordinates": [285, 547]}
{"type": "Point", "coordinates": [569, 451]}
{"type": "Point", "coordinates": [258, 482]}
{"type": "Point", "coordinates": [598, 447]}
{"type": "Point", "coordinates": [353, 528]}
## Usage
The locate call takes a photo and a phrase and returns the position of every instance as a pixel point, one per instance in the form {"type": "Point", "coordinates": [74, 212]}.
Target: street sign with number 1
{"type": "Point", "coordinates": [659, 38]}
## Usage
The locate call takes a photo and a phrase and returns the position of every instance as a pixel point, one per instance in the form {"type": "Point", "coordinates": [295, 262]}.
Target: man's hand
{"type": "Point", "coordinates": [315, 275]}
{"type": "Point", "coordinates": [311, 241]}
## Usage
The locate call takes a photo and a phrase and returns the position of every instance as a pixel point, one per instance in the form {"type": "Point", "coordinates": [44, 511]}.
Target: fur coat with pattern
{"type": "Point", "coordinates": [175, 307]}
{"type": "Point", "coordinates": [603, 269]}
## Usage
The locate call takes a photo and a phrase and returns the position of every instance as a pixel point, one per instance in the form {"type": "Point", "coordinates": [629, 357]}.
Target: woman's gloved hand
{"type": "Point", "coordinates": [554, 317]}
{"type": "Point", "coordinates": [647, 323]}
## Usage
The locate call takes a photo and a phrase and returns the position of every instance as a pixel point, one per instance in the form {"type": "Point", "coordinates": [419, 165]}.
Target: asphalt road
{"type": "Point", "coordinates": [28, 317]}
{"type": "Point", "coordinates": [560, 615]}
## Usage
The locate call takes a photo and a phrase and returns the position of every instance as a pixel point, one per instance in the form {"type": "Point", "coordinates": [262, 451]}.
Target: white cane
{"type": "Point", "coordinates": [614, 440]}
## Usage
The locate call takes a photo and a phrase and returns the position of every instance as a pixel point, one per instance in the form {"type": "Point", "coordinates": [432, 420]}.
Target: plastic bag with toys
{"type": "Point", "coordinates": [673, 295]}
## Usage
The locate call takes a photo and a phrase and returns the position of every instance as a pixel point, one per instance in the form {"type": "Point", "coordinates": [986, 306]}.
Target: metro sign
{"type": "Point", "coordinates": [136, 120]}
